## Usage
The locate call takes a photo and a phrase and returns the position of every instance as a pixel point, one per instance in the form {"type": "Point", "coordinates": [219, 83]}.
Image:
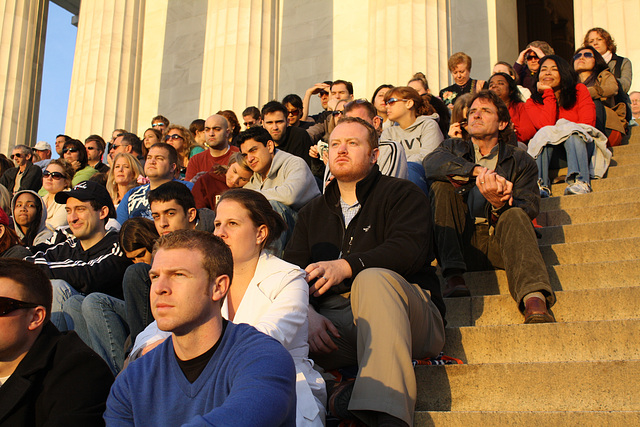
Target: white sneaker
{"type": "Point", "coordinates": [578, 187]}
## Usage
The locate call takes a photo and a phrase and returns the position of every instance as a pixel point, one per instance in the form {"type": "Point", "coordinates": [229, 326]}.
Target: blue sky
{"type": "Point", "coordinates": [56, 75]}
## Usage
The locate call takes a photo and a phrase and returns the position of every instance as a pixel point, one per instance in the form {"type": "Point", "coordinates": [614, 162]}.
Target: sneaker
{"type": "Point", "coordinates": [578, 187]}
{"type": "Point", "coordinates": [544, 190]}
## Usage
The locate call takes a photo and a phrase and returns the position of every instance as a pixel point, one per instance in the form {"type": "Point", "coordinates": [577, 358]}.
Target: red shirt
{"type": "Point", "coordinates": [521, 121]}
{"type": "Point", "coordinates": [205, 161]}
{"type": "Point", "coordinates": [548, 113]}
{"type": "Point", "coordinates": [207, 189]}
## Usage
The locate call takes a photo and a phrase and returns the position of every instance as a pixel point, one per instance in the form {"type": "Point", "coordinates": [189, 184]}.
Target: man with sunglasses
{"type": "Point", "coordinates": [46, 377]}
{"type": "Point", "coordinates": [293, 104]}
{"type": "Point", "coordinates": [251, 116]}
{"type": "Point", "coordinates": [42, 150]}
{"type": "Point", "coordinates": [95, 146]}
{"type": "Point", "coordinates": [25, 175]}
{"type": "Point", "coordinates": [127, 143]}
{"type": "Point", "coordinates": [160, 123]}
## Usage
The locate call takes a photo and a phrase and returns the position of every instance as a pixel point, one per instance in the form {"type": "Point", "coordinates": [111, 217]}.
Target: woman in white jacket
{"type": "Point", "coordinates": [417, 129]}
{"type": "Point", "coordinates": [266, 292]}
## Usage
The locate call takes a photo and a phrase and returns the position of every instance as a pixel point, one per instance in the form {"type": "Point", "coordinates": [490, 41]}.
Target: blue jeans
{"type": "Point", "coordinates": [99, 319]}
{"type": "Point", "coordinates": [578, 160]}
{"type": "Point", "coordinates": [416, 175]}
{"type": "Point", "coordinates": [290, 217]}
{"type": "Point", "coordinates": [136, 285]}
{"type": "Point", "coordinates": [62, 291]}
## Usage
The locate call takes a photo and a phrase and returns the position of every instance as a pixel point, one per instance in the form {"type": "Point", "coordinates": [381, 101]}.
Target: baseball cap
{"type": "Point", "coordinates": [86, 191]}
{"type": "Point", "coordinates": [42, 146]}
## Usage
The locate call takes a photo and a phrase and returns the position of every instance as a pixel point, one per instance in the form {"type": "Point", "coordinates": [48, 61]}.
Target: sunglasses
{"type": "Point", "coordinates": [54, 175]}
{"type": "Point", "coordinates": [155, 125]}
{"type": "Point", "coordinates": [532, 57]}
{"type": "Point", "coordinates": [91, 148]}
{"type": "Point", "coordinates": [581, 54]}
{"type": "Point", "coordinates": [115, 147]}
{"type": "Point", "coordinates": [16, 156]}
{"type": "Point", "coordinates": [7, 305]}
{"type": "Point", "coordinates": [294, 112]}
{"type": "Point", "coordinates": [337, 113]}
{"type": "Point", "coordinates": [69, 150]}
{"type": "Point", "coordinates": [174, 136]}
{"type": "Point", "coordinates": [392, 101]}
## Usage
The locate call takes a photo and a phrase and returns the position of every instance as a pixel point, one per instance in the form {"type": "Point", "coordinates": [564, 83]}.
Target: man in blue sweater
{"type": "Point", "coordinates": [211, 371]}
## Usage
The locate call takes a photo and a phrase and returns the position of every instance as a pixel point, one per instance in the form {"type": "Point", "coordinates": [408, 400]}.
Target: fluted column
{"type": "Point", "coordinates": [240, 55]}
{"type": "Point", "coordinates": [22, 31]}
{"type": "Point", "coordinates": [105, 81]}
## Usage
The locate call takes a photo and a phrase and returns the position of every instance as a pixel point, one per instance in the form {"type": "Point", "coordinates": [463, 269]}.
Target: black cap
{"type": "Point", "coordinates": [86, 191]}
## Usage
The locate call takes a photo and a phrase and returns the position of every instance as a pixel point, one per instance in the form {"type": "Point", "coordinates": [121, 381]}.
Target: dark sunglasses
{"type": "Point", "coordinates": [392, 101]}
{"type": "Point", "coordinates": [54, 175]}
{"type": "Point", "coordinates": [91, 148]}
{"type": "Point", "coordinates": [69, 150]}
{"type": "Point", "coordinates": [7, 305]}
{"type": "Point", "coordinates": [581, 54]}
{"type": "Point", "coordinates": [532, 57]}
{"type": "Point", "coordinates": [16, 156]}
{"type": "Point", "coordinates": [293, 112]}
{"type": "Point", "coordinates": [337, 113]}
{"type": "Point", "coordinates": [157, 124]}
{"type": "Point", "coordinates": [174, 136]}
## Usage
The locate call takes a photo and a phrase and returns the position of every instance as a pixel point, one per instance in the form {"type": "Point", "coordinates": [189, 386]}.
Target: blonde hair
{"type": "Point", "coordinates": [135, 166]}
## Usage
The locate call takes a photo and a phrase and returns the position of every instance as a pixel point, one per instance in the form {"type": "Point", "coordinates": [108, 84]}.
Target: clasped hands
{"type": "Point", "coordinates": [496, 189]}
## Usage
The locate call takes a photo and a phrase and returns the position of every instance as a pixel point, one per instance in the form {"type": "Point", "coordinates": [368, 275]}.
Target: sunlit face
{"type": "Point", "coordinates": [499, 85]}
{"type": "Point", "coordinates": [324, 98]}
{"type": "Point", "coordinates": [216, 128]}
{"type": "Point", "coordinates": [150, 139]}
{"type": "Point", "coordinates": [141, 255]}
{"type": "Point", "coordinates": [19, 157]}
{"type": "Point", "coordinates": [85, 222]}
{"type": "Point", "coordinates": [258, 156]}
{"type": "Point", "coordinates": [53, 182]}
{"type": "Point", "coordinates": [175, 138]}
{"type": "Point", "coordinates": [549, 74]}
{"type": "Point", "coordinates": [378, 101]}
{"type": "Point", "coordinates": [293, 115]}
{"type": "Point", "coordinates": [418, 86]}
{"type": "Point", "coordinates": [93, 152]}
{"type": "Point", "coordinates": [234, 226]}
{"type": "Point", "coordinates": [397, 108]}
{"type": "Point", "coordinates": [461, 74]}
{"type": "Point", "coordinates": [59, 144]}
{"type": "Point", "coordinates": [24, 210]}
{"type": "Point", "coordinates": [159, 124]}
{"type": "Point", "coordinates": [340, 91]}
{"type": "Point", "coordinates": [276, 124]}
{"type": "Point", "coordinates": [533, 61]}
{"type": "Point", "coordinates": [122, 172]}
{"type": "Point", "coordinates": [170, 216]}
{"type": "Point", "coordinates": [237, 176]}
{"type": "Point", "coordinates": [582, 62]}
{"type": "Point", "coordinates": [350, 156]}
{"type": "Point", "coordinates": [597, 41]}
{"type": "Point", "coordinates": [635, 104]}
{"type": "Point", "coordinates": [14, 325]}
{"type": "Point", "coordinates": [483, 119]}
{"type": "Point", "coordinates": [157, 165]}
{"type": "Point", "coordinates": [71, 154]}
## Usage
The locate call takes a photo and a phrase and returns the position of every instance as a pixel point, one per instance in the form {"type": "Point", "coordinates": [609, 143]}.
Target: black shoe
{"type": "Point", "coordinates": [455, 288]}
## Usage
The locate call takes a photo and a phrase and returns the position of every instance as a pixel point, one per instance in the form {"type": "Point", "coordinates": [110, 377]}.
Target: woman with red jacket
{"type": "Point", "coordinates": [506, 88]}
{"type": "Point", "coordinates": [559, 96]}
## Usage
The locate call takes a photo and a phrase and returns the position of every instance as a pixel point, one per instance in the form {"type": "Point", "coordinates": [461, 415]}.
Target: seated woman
{"type": "Point", "coordinates": [378, 101]}
{"type": "Point", "coordinates": [505, 87]}
{"type": "Point", "coordinates": [181, 139]}
{"type": "Point", "coordinates": [603, 87]}
{"type": "Point", "coordinates": [123, 176]}
{"type": "Point", "coordinates": [199, 137]}
{"type": "Point", "coordinates": [560, 96]}
{"type": "Point", "coordinates": [460, 68]}
{"type": "Point", "coordinates": [137, 237]}
{"type": "Point", "coordinates": [602, 41]}
{"type": "Point", "coordinates": [458, 126]}
{"type": "Point", "coordinates": [528, 62]}
{"type": "Point", "coordinates": [293, 104]}
{"type": "Point", "coordinates": [56, 178]}
{"type": "Point", "coordinates": [150, 137]}
{"type": "Point", "coordinates": [417, 131]}
{"type": "Point", "coordinates": [208, 188]}
{"type": "Point", "coordinates": [29, 218]}
{"type": "Point", "coordinates": [10, 244]}
{"type": "Point", "coordinates": [420, 84]}
{"type": "Point", "coordinates": [232, 121]}
{"type": "Point", "coordinates": [268, 293]}
{"type": "Point", "coordinates": [505, 67]}
{"type": "Point", "coordinates": [75, 153]}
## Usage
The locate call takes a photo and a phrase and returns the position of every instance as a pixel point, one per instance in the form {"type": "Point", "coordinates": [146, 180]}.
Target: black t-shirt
{"type": "Point", "coordinates": [192, 368]}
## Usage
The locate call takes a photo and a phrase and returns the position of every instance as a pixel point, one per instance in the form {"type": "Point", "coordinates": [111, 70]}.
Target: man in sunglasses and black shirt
{"type": "Point", "coordinates": [25, 175]}
{"type": "Point", "coordinates": [46, 377]}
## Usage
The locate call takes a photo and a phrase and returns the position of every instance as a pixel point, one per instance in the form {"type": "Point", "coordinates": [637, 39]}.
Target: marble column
{"type": "Point", "coordinates": [22, 29]}
{"type": "Point", "coordinates": [240, 55]}
{"type": "Point", "coordinates": [105, 82]}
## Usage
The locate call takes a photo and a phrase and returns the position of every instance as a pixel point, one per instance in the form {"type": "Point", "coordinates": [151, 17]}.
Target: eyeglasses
{"type": "Point", "coordinates": [69, 150]}
{"type": "Point", "coordinates": [579, 55]}
{"type": "Point", "coordinates": [7, 305]}
{"type": "Point", "coordinates": [54, 175]}
{"type": "Point", "coordinates": [16, 156]}
{"type": "Point", "coordinates": [155, 125]}
{"type": "Point", "coordinates": [294, 112]}
{"type": "Point", "coordinates": [337, 113]}
{"type": "Point", "coordinates": [91, 148]}
{"type": "Point", "coordinates": [392, 101]}
{"type": "Point", "coordinates": [174, 136]}
{"type": "Point", "coordinates": [115, 147]}
{"type": "Point", "coordinates": [532, 57]}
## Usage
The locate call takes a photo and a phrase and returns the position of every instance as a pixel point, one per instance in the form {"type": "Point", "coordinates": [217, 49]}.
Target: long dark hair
{"type": "Point", "coordinates": [568, 81]}
{"type": "Point", "coordinates": [514, 93]}
{"type": "Point", "coordinates": [82, 151]}
{"type": "Point", "coordinates": [34, 227]}
{"type": "Point", "coordinates": [599, 66]}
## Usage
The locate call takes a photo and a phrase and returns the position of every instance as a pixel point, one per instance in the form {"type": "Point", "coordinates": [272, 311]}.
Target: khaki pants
{"type": "Point", "coordinates": [384, 323]}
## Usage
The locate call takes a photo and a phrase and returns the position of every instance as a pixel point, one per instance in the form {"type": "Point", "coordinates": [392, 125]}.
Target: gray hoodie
{"type": "Point", "coordinates": [419, 139]}
{"type": "Point", "coordinates": [44, 233]}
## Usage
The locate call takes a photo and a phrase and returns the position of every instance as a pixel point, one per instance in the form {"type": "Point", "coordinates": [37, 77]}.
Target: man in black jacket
{"type": "Point", "coordinates": [366, 246]}
{"type": "Point", "coordinates": [26, 175]}
{"type": "Point", "coordinates": [46, 377]}
{"type": "Point", "coordinates": [483, 198]}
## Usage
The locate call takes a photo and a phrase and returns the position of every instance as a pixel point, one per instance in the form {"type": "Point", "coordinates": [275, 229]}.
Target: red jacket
{"type": "Point", "coordinates": [521, 121]}
{"type": "Point", "coordinates": [548, 113]}
{"type": "Point", "coordinates": [207, 189]}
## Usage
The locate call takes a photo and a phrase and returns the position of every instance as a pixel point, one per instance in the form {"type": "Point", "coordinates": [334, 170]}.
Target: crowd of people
{"type": "Point", "coordinates": [284, 274]}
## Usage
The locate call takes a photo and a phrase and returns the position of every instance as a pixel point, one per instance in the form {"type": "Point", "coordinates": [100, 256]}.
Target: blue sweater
{"type": "Point", "coordinates": [249, 381]}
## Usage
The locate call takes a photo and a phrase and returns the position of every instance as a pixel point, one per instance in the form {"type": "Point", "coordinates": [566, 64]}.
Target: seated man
{"type": "Point", "coordinates": [366, 247]}
{"type": "Point", "coordinates": [160, 167]}
{"type": "Point", "coordinates": [483, 199]}
{"type": "Point", "coordinates": [286, 137]}
{"type": "Point", "coordinates": [25, 175]}
{"type": "Point", "coordinates": [210, 371]}
{"type": "Point", "coordinates": [46, 377]}
{"type": "Point", "coordinates": [101, 320]}
{"type": "Point", "coordinates": [90, 259]}
{"type": "Point", "coordinates": [216, 129]}
{"type": "Point", "coordinates": [251, 116]}
{"type": "Point", "coordinates": [284, 179]}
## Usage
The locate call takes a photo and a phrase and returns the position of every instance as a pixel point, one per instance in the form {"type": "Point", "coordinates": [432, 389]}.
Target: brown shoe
{"type": "Point", "coordinates": [455, 288]}
{"type": "Point", "coordinates": [535, 311]}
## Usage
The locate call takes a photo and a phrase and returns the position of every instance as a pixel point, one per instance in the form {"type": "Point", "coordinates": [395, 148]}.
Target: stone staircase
{"type": "Point", "coordinates": [582, 370]}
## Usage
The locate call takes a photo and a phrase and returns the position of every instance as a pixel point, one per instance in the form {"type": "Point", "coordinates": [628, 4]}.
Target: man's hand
{"type": "Point", "coordinates": [495, 188]}
{"type": "Point", "coordinates": [318, 87]}
{"type": "Point", "coordinates": [327, 275]}
{"type": "Point", "coordinates": [319, 328]}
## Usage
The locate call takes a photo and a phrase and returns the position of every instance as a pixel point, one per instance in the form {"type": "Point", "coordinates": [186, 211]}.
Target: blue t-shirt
{"type": "Point", "coordinates": [135, 202]}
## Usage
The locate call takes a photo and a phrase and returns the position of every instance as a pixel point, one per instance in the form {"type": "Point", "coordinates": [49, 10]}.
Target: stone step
{"type": "Point", "coordinates": [590, 231]}
{"type": "Point", "coordinates": [615, 212]}
{"type": "Point", "coordinates": [584, 252]}
{"type": "Point", "coordinates": [571, 306]}
{"type": "Point", "coordinates": [624, 160]}
{"type": "Point", "coordinates": [558, 386]}
{"type": "Point", "coordinates": [625, 150]}
{"type": "Point", "coordinates": [597, 198]}
{"type": "Point", "coordinates": [526, 418]}
{"type": "Point", "coordinates": [546, 342]}
{"type": "Point", "coordinates": [593, 275]}
{"type": "Point", "coordinates": [599, 185]}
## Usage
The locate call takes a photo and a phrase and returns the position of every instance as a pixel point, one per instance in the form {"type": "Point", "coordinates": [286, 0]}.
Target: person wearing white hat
{"type": "Point", "coordinates": [43, 150]}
